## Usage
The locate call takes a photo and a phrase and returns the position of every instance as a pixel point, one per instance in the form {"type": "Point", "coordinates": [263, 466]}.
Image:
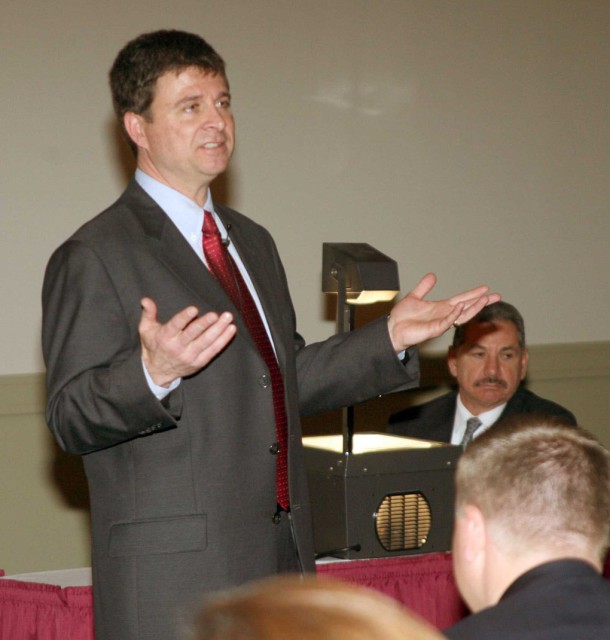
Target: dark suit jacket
{"type": "Point", "coordinates": [433, 420]}
{"type": "Point", "coordinates": [562, 600]}
{"type": "Point", "coordinates": [183, 491]}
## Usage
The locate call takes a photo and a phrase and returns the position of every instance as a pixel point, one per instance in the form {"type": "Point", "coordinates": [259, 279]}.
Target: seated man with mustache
{"type": "Point", "coordinates": [488, 358]}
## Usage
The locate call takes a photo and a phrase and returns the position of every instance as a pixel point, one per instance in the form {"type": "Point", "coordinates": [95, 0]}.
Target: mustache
{"type": "Point", "coordinates": [491, 380]}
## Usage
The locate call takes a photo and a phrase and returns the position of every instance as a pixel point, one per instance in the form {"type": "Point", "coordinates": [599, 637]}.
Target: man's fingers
{"type": "Point", "coordinates": [200, 325]}
{"type": "Point", "coordinates": [181, 321]}
{"type": "Point", "coordinates": [185, 344]}
{"type": "Point", "coordinates": [468, 297]}
{"type": "Point", "coordinates": [215, 340]}
{"type": "Point", "coordinates": [455, 314]}
{"type": "Point", "coordinates": [149, 311]}
{"type": "Point", "coordinates": [470, 311]}
{"type": "Point", "coordinates": [424, 286]}
{"type": "Point", "coordinates": [472, 306]}
{"type": "Point", "coordinates": [209, 331]}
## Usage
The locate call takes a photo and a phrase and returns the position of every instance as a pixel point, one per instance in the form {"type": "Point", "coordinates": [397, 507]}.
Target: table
{"type": "Point", "coordinates": [423, 583]}
{"type": "Point", "coordinates": [30, 609]}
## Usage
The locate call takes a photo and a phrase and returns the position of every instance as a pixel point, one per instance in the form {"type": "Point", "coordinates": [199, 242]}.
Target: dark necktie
{"type": "Point", "coordinates": [224, 269]}
{"type": "Point", "coordinates": [472, 424]}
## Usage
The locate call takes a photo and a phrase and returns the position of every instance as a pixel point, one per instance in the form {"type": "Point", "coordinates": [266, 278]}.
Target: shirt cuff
{"type": "Point", "coordinates": [160, 392]}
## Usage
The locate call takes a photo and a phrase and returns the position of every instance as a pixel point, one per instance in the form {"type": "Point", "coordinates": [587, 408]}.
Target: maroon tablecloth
{"type": "Point", "coordinates": [34, 611]}
{"type": "Point", "coordinates": [423, 583]}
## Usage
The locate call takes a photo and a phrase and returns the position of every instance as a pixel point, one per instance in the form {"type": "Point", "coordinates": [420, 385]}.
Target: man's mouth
{"type": "Point", "coordinates": [497, 382]}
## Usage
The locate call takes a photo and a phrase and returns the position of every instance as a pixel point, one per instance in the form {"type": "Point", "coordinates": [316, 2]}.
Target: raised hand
{"type": "Point", "coordinates": [414, 320]}
{"type": "Point", "coordinates": [183, 345]}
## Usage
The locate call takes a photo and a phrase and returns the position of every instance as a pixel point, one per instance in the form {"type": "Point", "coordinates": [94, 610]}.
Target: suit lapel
{"type": "Point", "coordinates": [447, 415]}
{"type": "Point", "coordinates": [514, 405]}
{"type": "Point", "coordinates": [170, 248]}
{"type": "Point", "coordinates": [264, 280]}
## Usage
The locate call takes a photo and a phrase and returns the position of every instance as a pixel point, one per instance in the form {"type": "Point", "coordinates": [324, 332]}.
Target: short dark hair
{"type": "Point", "coordinates": [144, 59]}
{"type": "Point", "coordinates": [497, 311]}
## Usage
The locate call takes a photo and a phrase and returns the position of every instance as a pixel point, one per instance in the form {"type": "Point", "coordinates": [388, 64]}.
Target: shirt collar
{"type": "Point", "coordinates": [186, 214]}
{"type": "Point", "coordinates": [487, 418]}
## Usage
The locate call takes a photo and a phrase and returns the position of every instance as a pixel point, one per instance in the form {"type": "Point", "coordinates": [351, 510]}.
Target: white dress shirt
{"type": "Point", "coordinates": [462, 415]}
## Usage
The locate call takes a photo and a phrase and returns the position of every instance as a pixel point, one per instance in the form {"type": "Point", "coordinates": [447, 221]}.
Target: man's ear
{"type": "Point", "coordinates": [470, 556]}
{"type": "Point", "coordinates": [451, 361]}
{"type": "Point", "coordinates": [474, 538]}
{"type": "Point", "coordinates": [133, 124]}
{"type": "Point", "coordinates": [524, 361]}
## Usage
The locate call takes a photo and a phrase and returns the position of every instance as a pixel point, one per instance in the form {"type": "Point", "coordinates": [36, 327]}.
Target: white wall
{"type": "Point", "coordinates": [466, 137]}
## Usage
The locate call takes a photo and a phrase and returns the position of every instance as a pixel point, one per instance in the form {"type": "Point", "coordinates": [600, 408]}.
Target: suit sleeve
{"type": "Point", "coordinates": [97, 395]}
{"type": "Point", "coordinates": [351, 368]}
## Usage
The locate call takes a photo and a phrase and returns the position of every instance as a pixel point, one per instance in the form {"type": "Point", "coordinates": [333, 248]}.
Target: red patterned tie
{"type": "Point", "coordinates": [224, 269]}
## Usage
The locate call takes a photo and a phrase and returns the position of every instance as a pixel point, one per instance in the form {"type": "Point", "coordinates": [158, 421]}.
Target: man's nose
{"type": "Point", "coordinates": [215, 118]}
{"type": "Point", "coordinates": [491, 365]}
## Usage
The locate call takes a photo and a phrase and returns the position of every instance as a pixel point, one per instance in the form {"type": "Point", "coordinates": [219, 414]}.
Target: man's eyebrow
{"type": "Point", "coordinates": [508, 347]}
{"type": "Point", "coordinates": [189, 98]}
{"type": "Point", "coordinates": [199, 96]}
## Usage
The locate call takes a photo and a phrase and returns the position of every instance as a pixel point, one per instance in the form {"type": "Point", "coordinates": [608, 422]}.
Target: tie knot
{"type": "Point", "coordinates": [210, 227]}
{"type": "Point", "coordinates": [472, 424]}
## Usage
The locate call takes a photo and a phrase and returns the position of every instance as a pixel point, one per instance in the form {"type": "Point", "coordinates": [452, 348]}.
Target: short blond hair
{"type": "Point", "coordinates": [540, 482]}
{"type": "Point", "coordinates": [307, 608]}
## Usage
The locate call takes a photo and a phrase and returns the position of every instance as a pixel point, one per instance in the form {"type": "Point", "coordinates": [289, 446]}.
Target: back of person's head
{"type": "Point", "coordinates": [541, 485]}
{"type": "Point", "coordinates": [307, 608]}
{"type": "Point", "coordinates": [491, 313]}
{"type": "Point", "coordinates": [143, 60]}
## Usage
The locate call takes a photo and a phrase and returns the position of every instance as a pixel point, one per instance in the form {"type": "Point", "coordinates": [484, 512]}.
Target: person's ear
{"type": "Point", "coordinates": [451, 361]}
{"type": "Point", "coordinates": [470, 555]}
{"type": "Point", "coordinates": [474, 535]}
{"type": "Point", "coordinates": [134, 125]}
{"type": "Point", "coordinates": [524, 361]}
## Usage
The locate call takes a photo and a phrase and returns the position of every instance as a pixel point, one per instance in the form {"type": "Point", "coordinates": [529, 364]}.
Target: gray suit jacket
{"type": "Point", "coordinates": [183, 491]}
{"type": "Point", "coordinates": [433, 420]}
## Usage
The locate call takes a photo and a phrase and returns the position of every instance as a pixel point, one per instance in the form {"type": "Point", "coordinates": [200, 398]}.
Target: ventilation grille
{"type": "Point", "coordinates": [402, 521]}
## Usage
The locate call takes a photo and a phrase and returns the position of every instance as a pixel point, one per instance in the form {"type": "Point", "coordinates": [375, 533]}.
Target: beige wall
{"type": "Point", "coordinates": [466, 137]}
{"type": "Point", "coordinates": [44, 518]}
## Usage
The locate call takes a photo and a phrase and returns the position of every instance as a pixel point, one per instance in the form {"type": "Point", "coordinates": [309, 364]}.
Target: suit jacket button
{"type": "Point", "coordinates": [276, 518]}
{"type": "Point", "coordinates": [274, 448]}
{"type": "Point", "coordinates": [264, 381]}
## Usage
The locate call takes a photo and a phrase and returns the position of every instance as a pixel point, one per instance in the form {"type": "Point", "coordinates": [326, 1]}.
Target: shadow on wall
{"type": "Point", "coordinates": [68, 476]}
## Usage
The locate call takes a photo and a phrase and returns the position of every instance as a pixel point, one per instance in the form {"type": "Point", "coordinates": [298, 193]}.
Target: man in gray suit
{"type": "Point", "coordinates": [489, 359]}
{"type": "Point", "coordinates": [155, 378]}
